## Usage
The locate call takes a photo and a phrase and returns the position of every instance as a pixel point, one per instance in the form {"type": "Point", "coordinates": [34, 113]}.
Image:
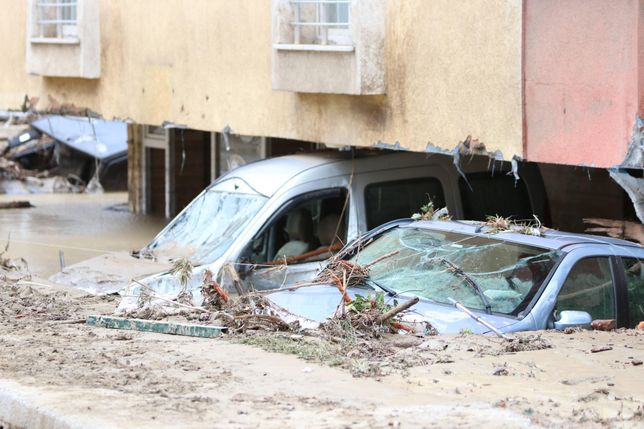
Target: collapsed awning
{"type": "Point", "coordinates": [98, 138]}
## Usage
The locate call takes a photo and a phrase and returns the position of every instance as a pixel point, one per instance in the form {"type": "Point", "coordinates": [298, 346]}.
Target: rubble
{"type": "Point", "coordinates": [603, 325]}
{"type": "Point", "coordinates": [55, 153]}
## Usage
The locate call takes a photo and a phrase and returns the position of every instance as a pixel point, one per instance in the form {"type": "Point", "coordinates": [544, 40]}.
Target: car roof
{"type": "Point", "coordinates": [267, 176]}
{"type": "Point", "coordinates": [551, 238]}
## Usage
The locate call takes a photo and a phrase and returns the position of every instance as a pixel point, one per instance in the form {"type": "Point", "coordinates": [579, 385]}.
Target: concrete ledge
{"type": "Point", "coordinates": [21, 410]}
{"type": "Point", "coordinates": [313, 48]}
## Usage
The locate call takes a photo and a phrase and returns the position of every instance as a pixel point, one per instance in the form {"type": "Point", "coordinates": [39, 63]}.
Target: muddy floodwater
{"type": "Point", "coordinates": [81, 225]}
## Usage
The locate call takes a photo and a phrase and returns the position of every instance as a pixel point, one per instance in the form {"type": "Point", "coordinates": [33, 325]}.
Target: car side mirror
{"type": "Point", "coordinates": [573, 319]}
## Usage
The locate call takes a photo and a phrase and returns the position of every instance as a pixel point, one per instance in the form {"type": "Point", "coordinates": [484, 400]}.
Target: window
{"type": "Point", "coordinates": [589, 287]}
{"type": "Point", "coordinates": [155, 132]}
{"type": "Point", "coordinates": [427, 262]}
{"type": "Point", "coordinates": [634, 289]}
{"type": "Point", "coordinates": [325, 22]}
{"type": "Point", "coordinates": [494, 195]}
{"type": "Point", "coordinates": [310, 230]}
{"type": "Point", "coordinates": [400, 199]}
{"type": "Point", "coordinates": [56, 19]}
{"type": "Point", "coordinates": [236, 150]}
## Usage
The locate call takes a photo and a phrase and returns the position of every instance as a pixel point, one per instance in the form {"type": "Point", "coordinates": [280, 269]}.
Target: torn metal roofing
{"type": "Point", "coordinates": [96, 137]}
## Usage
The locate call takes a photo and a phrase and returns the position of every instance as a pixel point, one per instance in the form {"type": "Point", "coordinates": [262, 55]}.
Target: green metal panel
{"type": "Point", "coordinates": [172, 328]}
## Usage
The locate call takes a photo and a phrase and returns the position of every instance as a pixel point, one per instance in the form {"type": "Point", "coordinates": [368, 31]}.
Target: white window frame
{"type": "Point", "coordinates": [62, 15]}
{"type": "Point", "coordinates": [328, 32]}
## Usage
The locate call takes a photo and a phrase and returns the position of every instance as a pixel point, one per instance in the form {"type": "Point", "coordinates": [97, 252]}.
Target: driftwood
{"type": "Point", "coordinates": [380, 258]}
{"type": "Point", "coordinates": [399, 308]}
{"type": "Point", "coordinates": [234, 276]}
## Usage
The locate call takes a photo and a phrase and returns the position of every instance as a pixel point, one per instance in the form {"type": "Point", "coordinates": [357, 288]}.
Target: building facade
{"type": "Point", "coordinates": [544, 80]}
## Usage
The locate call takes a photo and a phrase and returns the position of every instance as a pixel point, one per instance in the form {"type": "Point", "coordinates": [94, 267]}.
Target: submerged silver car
{"type": "Point", "coordinates": [511, 280]}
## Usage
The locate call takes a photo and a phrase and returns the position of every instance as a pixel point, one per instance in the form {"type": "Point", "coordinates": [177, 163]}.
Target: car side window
{"type": "Point", "coordinates": [590, 288]}
{"type": "Point", "coordinates": [398, 199]}
{"type": "Point", "coordinates": [634, 274]}
{"type": "Point", "coordinates": [311, 230]}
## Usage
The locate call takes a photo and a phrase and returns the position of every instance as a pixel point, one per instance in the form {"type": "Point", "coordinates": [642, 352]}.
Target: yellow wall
{"type": "Point", "coordinates": [453, 68]}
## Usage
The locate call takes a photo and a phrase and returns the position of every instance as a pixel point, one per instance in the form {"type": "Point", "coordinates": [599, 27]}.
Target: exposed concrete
{"type": "Point", "coordinates": [634, 159]}
{"type": "Point", "coordinates": [634, 187]}
{"type": "Point", "coordinates": [29, 408]}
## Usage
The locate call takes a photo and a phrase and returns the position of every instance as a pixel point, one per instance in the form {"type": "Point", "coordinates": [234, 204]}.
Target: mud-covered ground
{"type": "Point", "coordinates": [109, 378]}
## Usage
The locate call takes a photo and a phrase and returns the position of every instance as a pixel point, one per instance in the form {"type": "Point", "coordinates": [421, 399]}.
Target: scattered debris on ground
{"type": "Point", "coordinates": [12, 268]}
{"type": "Point", "coordinates": [47, 343]}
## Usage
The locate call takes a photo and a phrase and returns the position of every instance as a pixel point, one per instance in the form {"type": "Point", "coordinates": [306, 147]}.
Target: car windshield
{"type": "Point", "coordinates": [207, 227]}
{"type": "Point", "coordinates": [478, 271]}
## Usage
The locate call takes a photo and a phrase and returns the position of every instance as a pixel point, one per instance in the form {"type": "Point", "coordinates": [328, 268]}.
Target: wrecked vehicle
{"type": "Point", "coordinates": [276, 220]}
{"type": "Point", "coordinates": [514, 279]}
{"type": "Point", "coordinates": [88, 147]}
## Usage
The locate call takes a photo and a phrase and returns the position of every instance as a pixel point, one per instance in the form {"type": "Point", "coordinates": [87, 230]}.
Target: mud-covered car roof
{"type": "Point", "coordinates": [551, 239]}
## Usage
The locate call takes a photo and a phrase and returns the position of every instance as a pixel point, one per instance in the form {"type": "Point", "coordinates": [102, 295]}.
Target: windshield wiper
{"type": "Point", "coordinates": [458, 271]}
{"type": "Point", "coordinates": [389, 291]}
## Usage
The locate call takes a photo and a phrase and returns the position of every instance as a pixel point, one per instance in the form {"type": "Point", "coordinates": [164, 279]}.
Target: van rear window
{"type": "Point", "coordinates": [387, 201]}
{"type": "Point", "coordinates": [494, 195]}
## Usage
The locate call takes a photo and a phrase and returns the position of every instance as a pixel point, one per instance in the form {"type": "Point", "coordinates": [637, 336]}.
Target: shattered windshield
{"type": "Point", "coordinates": [477, 271]}
{"type": "Point", "coordinates": [208, 226]}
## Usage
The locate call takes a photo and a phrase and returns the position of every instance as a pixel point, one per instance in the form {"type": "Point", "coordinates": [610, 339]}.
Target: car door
{"type": "Point", "coordinates": [633, 275]}
{"type": "Point", "coordinates": [590, 286]}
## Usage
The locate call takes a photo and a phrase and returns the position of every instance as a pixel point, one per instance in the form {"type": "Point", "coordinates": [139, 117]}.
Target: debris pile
{"type": "Point", "coordinates": [429, 212]}
{"type": "Point", "coordinates": [497, 224]}
{"type": "Point", "coordinates": [12, 269]}
{"type": "Point", "coordinates": [343, 274]}
{"type": "Point", "coordinates": [58, 153]}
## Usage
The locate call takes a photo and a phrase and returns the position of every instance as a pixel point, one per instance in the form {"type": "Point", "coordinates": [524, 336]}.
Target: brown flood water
{"type": "Point", "coordinates": [81, 225]}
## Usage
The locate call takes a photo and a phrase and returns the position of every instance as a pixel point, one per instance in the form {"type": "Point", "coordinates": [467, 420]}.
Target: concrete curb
{"type": "Point", "coordinates": [24, 408]}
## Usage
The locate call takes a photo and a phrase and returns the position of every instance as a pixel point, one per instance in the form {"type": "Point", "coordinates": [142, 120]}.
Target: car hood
{"type": "Point", "coordinates": [108, 273]}
{"type": "Point", "coordinates": [320, 301]}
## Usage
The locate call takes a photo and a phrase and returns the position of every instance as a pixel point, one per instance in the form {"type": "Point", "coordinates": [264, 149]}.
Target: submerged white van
{"type": "Point", "coordinates": [276, 220]}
